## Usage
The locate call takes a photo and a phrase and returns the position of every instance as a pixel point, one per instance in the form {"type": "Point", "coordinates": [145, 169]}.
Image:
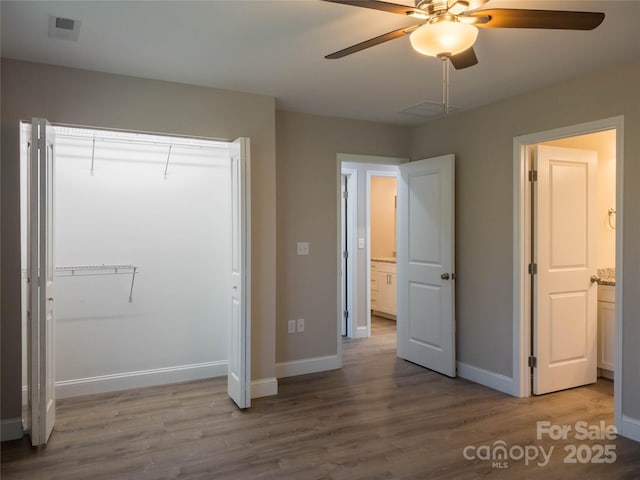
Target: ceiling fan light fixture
{"type": "Point", "coordinates": [444, 37]}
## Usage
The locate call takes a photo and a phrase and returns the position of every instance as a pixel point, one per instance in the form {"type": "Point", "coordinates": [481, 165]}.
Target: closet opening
{"type": "Point", "coordinates": [148, 232]}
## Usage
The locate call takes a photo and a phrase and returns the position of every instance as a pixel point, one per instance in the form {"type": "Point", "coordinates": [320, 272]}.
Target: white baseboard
{"type": "Point", "coordinates": [264, 387]}
{"type": "Point", "coordinates": [11, 429]}
{"type": "Point", "coordinates": [485, 377]}
{"type": "Point", "coordinates": [361, 332]}
{"type": "Point", "coordinates": [144, 378]}
{"type": "Point", "coordinates": [308, 365]}
{"type": "Point", "coordinates": [630, 428]}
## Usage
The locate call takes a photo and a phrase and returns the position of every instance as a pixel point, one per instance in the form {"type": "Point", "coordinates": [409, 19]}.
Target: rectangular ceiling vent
{"type": "Point", "coordinates": [428, 110]}
{"type": "Point", "coordinates": [64, 28]}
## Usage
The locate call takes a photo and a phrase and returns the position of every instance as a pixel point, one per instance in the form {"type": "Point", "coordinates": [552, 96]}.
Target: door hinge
{"type": "Point", "coordinates": [533, 269]}
{"type": "Point", "coordinates": [346, 314]}
{"type": "Point", "coordinates": [345, 254]}
{"type": "Point", "coordinates": [345, 195]}
{"type": "Point", "coordinates": [533, 175]}
{"type": "Point", "coordinates": [533, 361]}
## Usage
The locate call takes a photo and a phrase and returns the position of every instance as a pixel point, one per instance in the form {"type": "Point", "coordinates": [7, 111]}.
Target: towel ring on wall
{"type": "Point", "coordinates": [612, 212]}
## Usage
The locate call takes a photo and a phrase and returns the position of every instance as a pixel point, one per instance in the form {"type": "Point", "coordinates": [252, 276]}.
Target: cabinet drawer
{"type": "Point", "coordinates": [387, 267]}
{"type": "Point", "coordinates": [373, 284]}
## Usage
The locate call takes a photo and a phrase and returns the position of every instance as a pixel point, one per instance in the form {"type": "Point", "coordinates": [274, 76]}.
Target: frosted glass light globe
{"type": "Point", "coordinates": [443, 38]}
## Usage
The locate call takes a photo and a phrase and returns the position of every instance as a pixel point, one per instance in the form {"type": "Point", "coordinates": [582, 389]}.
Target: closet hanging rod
{"type": "Point", "coordinates": [216, 145]}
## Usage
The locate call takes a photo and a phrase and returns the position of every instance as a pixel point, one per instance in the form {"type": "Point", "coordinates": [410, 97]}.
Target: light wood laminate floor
{"type": "Point", "coordinates": [377, 418]}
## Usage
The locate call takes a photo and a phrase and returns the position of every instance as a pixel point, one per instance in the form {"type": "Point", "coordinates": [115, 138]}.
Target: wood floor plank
{"type": "Point", "coordinates": [377, 418]}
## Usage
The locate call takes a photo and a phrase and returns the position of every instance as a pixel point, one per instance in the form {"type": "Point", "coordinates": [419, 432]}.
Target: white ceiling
{"type": "Point", "coordinates": [278, 47]}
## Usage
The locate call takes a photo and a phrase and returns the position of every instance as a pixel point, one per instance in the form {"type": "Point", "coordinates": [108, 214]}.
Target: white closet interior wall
{"type": "Point", "coordinates": [115, 205]}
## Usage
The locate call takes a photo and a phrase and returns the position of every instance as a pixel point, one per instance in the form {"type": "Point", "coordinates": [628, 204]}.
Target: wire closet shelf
{"type": "Point", "coordinates": [104, 269]}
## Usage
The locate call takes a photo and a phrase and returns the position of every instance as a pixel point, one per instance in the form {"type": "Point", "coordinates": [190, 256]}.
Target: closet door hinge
{"type": "Point", "coordinates": [345, 254]}
{"type": "Point", "coordinates": [533, 361]}
{"type": "Point", "coordinates": [345, 195]}
{"type": "Point", "coordinates": [533, 175]}
{"type": "Point", "coordinates": [533, 269]}
{"type": "Point", "coordinates": [346, 314]}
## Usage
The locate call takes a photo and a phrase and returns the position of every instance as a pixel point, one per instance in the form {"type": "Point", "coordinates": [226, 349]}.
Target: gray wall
{"type": "Point", "coordinates": [307, 169]}
{"type": "Point", "coordinates": [482, 140]}
{"type": "Point", "coordinates": [305, 198]}
{"type": "Point", "coordinates": [65, 95]}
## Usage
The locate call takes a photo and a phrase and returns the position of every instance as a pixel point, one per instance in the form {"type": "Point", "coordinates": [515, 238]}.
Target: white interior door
{"type": "Point", "coordinates": [41, 270]}
{"type": "Point", "coordinates": [565, 299]}
{"type": "Point", "coordinates": [239, 373]}
{"type": "Point", "coordinates": [425, 257]}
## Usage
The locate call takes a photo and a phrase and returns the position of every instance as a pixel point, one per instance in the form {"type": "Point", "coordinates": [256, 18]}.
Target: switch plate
{"type": "Point", "coordinates": [303, 248]}
{"type": "Point", "coordinates": [291, 327]}
{"type": "Point", "coordinates": [300, 324]}
{"type": "Point", "coordinates": [361, 243]}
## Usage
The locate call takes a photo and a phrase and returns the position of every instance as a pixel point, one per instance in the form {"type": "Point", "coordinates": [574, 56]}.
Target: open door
{"type": "Point", "coordinates": [239, 373]}
{"type": "Point", "coordinates": [425, 257]}
{"type": "Point", "coordinates": [565, 297]}
{"type": "Point", "coordinates": [41, 270]}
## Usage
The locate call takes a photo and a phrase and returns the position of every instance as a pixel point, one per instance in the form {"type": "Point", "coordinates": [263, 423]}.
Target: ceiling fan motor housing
{"type": "Point", "coordinates": [433, 6]}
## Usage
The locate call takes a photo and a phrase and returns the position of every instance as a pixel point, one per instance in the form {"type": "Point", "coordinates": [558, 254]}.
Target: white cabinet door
{"type": "Point", "coordinates": [387, 285]}
{"type": "Point", "coordinates": [426, 320]}
{"type": "Point", "coordinates": [606, 334]}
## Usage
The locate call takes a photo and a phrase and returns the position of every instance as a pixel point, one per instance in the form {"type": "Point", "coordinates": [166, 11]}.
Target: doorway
{"type": "Point", "coordinates": [355, 239]}
{"type": "Point", "coordinates": [532, 281]}
{"type": "Point", "coordinates": [425, 239]}
{"type": "Point", "coordinates": [145, 230]}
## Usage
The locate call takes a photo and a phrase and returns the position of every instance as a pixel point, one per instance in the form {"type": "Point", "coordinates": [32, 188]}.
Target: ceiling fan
{"type": "Point", "coordinates": [449, 29]}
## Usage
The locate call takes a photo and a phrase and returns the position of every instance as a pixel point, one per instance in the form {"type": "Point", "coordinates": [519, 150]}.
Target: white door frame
{"type": "Point", "coordinates": [246, 250]}
{"type": "Point", "coordinates": [360, 159]}
{"type": "Point", "coordinates": [350, 280]}
{"type": "Point", "coordinates": [522, 247]}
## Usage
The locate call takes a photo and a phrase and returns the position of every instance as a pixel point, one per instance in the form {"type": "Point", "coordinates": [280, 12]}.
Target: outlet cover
{"type": "Point", "coordinates": [300, 322]}
{"type": "Point", "coordinates": [291, 327]}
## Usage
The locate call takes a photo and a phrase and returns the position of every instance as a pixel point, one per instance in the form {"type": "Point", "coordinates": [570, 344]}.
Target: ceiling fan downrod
{"type": "Point", "coordinates": [445, 82]}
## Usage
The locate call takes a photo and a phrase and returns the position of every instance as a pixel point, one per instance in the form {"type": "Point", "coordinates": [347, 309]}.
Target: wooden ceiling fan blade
{"type": "Point", "coordinates": [401, 32]}
{"type": "Point", "coordinates": [464, 59]}
{"type": "Point", "coordinates": [549, 19]}
{"type": "Point", "coordinates": [377, 5]}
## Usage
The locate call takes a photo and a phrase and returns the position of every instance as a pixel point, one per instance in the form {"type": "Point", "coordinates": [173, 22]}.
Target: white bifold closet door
{"type": "Point", "coordinates": [239, 373]}
{"type": "Point", "coordinates": [41, 271]}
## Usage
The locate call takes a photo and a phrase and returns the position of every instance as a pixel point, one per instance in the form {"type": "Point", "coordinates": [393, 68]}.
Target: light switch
{"type": "Point", "coordinates": [303, 248]}
{"type": "Point", "coordinates": [361, 243]}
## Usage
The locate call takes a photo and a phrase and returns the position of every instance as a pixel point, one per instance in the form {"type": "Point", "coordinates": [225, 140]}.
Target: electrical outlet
{"type": "Point", "coordinates": [291, 327]}
{"type": "Point", "coordinates": [300, 322]}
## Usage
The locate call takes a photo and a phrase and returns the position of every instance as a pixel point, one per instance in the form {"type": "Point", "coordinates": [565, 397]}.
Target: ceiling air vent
{"type": "Point", "coordinates": [64, 28]}
{"type": "Point", "coordinates": [428, 110]}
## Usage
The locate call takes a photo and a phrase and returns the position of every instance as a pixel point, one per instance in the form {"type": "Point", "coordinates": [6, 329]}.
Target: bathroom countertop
{"type": "Point", "coordinates": [384, 259]}
{"type": "Point", "coordinates": [607, 276]}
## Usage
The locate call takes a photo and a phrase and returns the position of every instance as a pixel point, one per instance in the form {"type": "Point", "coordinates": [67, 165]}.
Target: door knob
{"type": "Point", "coordinates": [595, 279]}
{"type": "Point", "coordinates": [444, 276]}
